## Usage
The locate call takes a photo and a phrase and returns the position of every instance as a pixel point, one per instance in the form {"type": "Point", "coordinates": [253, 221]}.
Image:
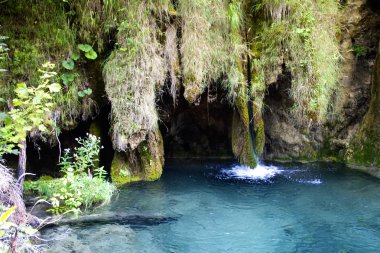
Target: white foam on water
{"type": "Point", "coordinates": [266, 173]}
{"type": "Point", "coordinates": [314, 181]}
{"type": "Point", "coordinates": [260, 172]}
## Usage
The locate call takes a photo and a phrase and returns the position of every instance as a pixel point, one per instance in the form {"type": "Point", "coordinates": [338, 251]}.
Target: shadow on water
{"type": "Point", "coordinates": [116, 219]}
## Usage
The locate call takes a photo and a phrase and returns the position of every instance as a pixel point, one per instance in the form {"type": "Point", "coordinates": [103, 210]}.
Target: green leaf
{"type": "Point", "coordinates": [14, 152]}
{"type": "Point", "coordinates": [81, 94]}
{"type": "Point", "coordinates": [88, 91]}
{"type": "Point", "coordinates": [75, 56]}
{"type": "Point", "coordinates": [68, 64]}
{"type": "Point", "coordinates": [27, 128]}
{"type": "Point", "coordinates": [92, 55]}
{"type": "Point", "coordinates": [29, 230]}
{"type": "Point", "coordinates": [54, 87]}
{"type": "Point", "coordinates": [8, 121]}
{"type": "Point", "coordinates": [21, 85]}
{"type": "Point", "coordinates": [22, 90]}
{"type": "Point", "coordinates": [16, 102]}
{"type": "Point", "coordinates": [42, 128]}
{"type": "Point", "coordinates": [8, 213]}
{"type": "Point", "coordinates": [67, 78]}
{"type": "Point", "coordinates": [37, 100]}
{"type": "Point", "coordinates": [85, 47]}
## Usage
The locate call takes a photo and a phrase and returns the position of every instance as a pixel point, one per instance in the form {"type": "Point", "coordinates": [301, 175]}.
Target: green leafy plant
{"type": "Point", "coordinates": [85, 92]}
{"type": "Point", "coordinates": [359, 51]}
{"type": "Point", "coordinates": [6, 133]}
{"type": "Point", "coordinates": [86, 155]}
{"type": "Point", "coordinates": [78, 189]}
{"type": "Point", "coordinates": [68, 64]}
{"type": "Point", "coordinates": [14, 237]}
{"type": "Point", "coordinates": [67, 78]}
{"type": "Point", "coordinates": [89, 52]}
{"type": "Point", "coordinates": [31, 111]}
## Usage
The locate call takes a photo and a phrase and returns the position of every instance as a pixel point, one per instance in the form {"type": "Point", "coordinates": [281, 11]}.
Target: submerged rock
{"type": "Point", "coordinates": [119, 218]}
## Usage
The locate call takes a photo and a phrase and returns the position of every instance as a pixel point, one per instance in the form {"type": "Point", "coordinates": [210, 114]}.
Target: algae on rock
{"type": "Point", "coordinates": [144, 163]}
{"type": "Point", "coordinates": [364, 149]}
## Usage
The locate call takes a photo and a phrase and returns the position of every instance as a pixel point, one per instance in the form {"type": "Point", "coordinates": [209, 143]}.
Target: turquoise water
{"type": "Point", "coordinates": [220, 207]}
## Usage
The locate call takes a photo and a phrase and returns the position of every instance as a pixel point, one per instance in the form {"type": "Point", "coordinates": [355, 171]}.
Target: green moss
{"type": "Point", "coordinates": [242, 145]}
{"type": "Point", "coordinates": [120, 170]}
{"type": "Point", "coordinates": [364, 147]}
{"type": "Point", "coordinates": [95, 128]}
{"type": "Point", "coordinates": [151, 155]}
{"type": "Point", "coordinates": [39, 31]}
{"type": "Point", "coordinates": [259, 136]}
{"type": "Point", "coordinates": [300, 35]}
{"type": "Point", "coordinates": [145, 163]}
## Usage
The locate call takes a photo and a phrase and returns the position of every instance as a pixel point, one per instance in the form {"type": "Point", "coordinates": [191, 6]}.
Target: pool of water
{"type": "Point", "coordinates": [222, 207]}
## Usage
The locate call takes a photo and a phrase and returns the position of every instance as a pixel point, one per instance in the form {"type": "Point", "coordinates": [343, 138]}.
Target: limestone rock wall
{"type": "Point", "coordinates": [352, 116]}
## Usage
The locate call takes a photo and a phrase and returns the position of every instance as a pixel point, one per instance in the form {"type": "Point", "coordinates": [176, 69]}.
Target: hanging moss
{"type": "Point", "coordinates": [302, 36]}
{"type": "Point", "coordinates": [132, 74]}
{"type": "Point", "coordinates": [208, 51]}
{"type": "Point", "coordinates": [39, 31]}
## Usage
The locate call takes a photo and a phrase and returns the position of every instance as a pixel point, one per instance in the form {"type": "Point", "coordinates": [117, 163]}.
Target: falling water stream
{"type": "Point", "coordinates": [224, 207]}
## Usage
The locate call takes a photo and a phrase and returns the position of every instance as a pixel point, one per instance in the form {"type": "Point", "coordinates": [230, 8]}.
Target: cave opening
{"type": "Point", "coordinates": [374, 5]}
{"type": "Point", "coordinates": [43, 157]}
{"type": "Point", "coordinates": [276, 115]}
{"type": "Point", "coordinates": [196, 131]}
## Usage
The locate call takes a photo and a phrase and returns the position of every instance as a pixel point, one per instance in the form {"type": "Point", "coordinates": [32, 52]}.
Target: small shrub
{"type": "Point", "coordinates": [78, 189]}
{"type": "Point", "coordinates": [359, 51]}
{"type": "Point", "coordinates": [14, 237]}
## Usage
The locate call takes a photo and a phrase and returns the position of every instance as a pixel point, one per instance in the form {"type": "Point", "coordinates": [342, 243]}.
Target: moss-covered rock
{"type": "Point", "coordinates": [152, 156]}
{"type": "Point", "coordinates": [95, 128]}
{"type": "Point", "coordinates": [41, 31]}
{"type": "Point", "coordinates": [242, 145]}
{"type": "Point", "coordinates": [37, 32]}
{"type": "Point", "coordinates": [364, 149]}
{"type": "Point", "coordinates": [259, 136]}
{"type": "Point", "coordinates": [120, 171]}
{"type": "Point", "coordinates": [144, 163]}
